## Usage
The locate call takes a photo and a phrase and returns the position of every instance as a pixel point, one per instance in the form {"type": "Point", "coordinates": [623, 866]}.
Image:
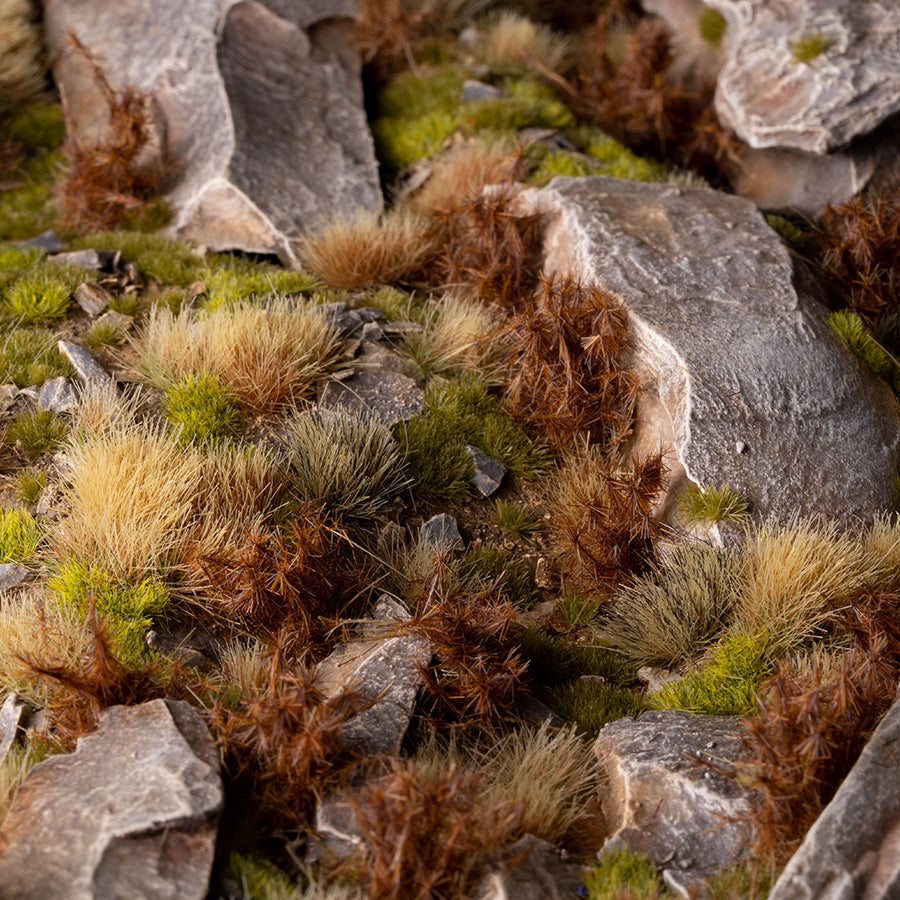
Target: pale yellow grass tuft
{"type": "Point", "coordinates": [460, 336]}
{"type": "Point", "coordinates": [368, 251]}
{"type": "Point", "coordinates": [21, 67]}
{"type": "Point", "coordinates": [795, 575]}
{"type": "Point", "coordinates": [881, 546]}
{"type": "Point", "coordinates": [246, 664]}
{"type": "Point", "coordinates": [510, 42]}
{"type": "Point", "coordinates": [131, 496]}
{"type": "Point", "coordinates": [462, 172]}
{"type": "Point", "coordinates": [269, 354]}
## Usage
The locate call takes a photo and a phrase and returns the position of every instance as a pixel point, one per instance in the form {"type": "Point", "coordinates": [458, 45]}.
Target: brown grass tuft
{"type": "Point", "coordinates": [569, 380]}
{"type": "Point", "coordinates": [386, 33]}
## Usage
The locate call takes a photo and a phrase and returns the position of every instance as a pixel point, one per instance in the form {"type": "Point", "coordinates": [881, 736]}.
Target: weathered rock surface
{"type": "Point", "coordinates": [58, 395]}
{"type": "Point", "coordinates": [488, 472]}
{"type": "Point", "coordinates": [386, 667]}
{"type": "Point", "coordinates": [86, 367]}
{"type": "Point", "coordinates": [258, 104]}
{"type": "Point", "coordinates": [12, 575]}
{"type": "Point", "coordinates": [853, 849]}
{"type": "Point", "coordinates": [772, 100]}
{"type": "Point", "coordinates": [131, 813]}
{"type": "Point", "coordinates": [12, 716]}
{"type": "Point", "coordinates": [92, 298]}
{"type": "Point", "coordinates": [386, 395]}
{"type": "Point", "coordinates": [663, 801]}
{"type": "Point", "coordinates": [442, 532]}
{"type": "Point", "coordinates": [742, 376]}
{"type": "Point", "coordinates": [536, 871]}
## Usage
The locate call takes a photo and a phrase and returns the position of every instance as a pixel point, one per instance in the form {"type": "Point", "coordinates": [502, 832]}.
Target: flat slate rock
{"type": "Point", "coordinates": [259, 105]}
{"type": "Point", "coordinates": [388, 396]}
{"type": "Point", "coordinates": [133, 812]}
{"type": "Point", "coordinates": [852, 852]}
{"type": "Point", "coordinates": [742, 376]}
{"type": "Point", "coordinates": [772, 100]}
{"type": "Point", "coordinates": [86, 367]}
{"type": "Point", "coordinates": [58, 394]}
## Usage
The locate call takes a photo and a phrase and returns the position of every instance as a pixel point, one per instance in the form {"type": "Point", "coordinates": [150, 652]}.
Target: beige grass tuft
{"type": "Point", "coordinates": [511, 42]}
{"type": "Point", "coordinates": [368, 251]}
{"type": "Point", "coordinates": [21, 66]}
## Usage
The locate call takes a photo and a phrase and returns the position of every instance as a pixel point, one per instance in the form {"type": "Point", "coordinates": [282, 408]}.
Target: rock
{"type": "Point", "coordinates": [49, 505]}
{"type": "Point", "coordinates": [852, 849]}
{"type": "Point", "coordinates": [46, 240]}
{"type": "Point", "coordinates": [663, 801]}
{"type": "Point", "coordinates": [535, 870]}
{"type": "Point", "coordinates": [337, 829]}
{"type": "Point", "coordinates": [488, 472]}
{"type": "Point", "coordinates": [80, 259]}
{"type": "Point", "coordinates": [86, 367]}
{"type": "Point", "coordinates": [137, 804]}
{"type": "Point", "coordinates": [388, 396]}
{"type": "Point", "coordinates": [58, 394]}
{"type": "Point", "coordinates": [726, 347]}
{"type": "Point", "coordinates": [8, 395]}
{"type": "Point", "coordinates": [117, 320]}
{"type": "Point", "coordinates": [442, 532]}
{"type": "Point", "coordinates": [479, 90]}
{"type": "Point", "coordinates": [12, 575]}
{"type": "Point", "coordinates": [13, 714]}
{"type": "Point", "coordinates": [386, 666]}
{"type": "Point", "coordinates": [372, 331]}
{"type": "Point", "coordinates": [259, 106]}
{"type": "Point", "coordinates": [770, 99]}
{"type": "Point", "coordinates": [92, 298]}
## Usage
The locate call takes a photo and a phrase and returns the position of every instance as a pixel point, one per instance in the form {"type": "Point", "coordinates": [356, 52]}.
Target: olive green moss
{"type": "Point", "coordinates": [712, 25]}
{"type": "Point", "coordinates": [809, 47]}
{"type": "Point", "coordinates": [622, 873]}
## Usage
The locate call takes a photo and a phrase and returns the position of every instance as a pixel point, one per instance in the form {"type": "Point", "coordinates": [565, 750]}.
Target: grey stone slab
{"type": "Point", "coordinates": [133, 812]}
{"type": "Point", "coordinates": [534, 870]}
{"type": "Point", "coordinates": [117, 320]}
{"type": "Point", "coordinates": [46, 240]}
{"type": "Point", "coordinates": [742, 378]}
{"type": "Point", "coordinates": [58, 394]}
{"type": "Point", "coordinates": [92, 298]}
{"type": "Point", "coordinates": [488, 472]}
{"type": "Point", "coordinates": [12, 575]}
{"type": "Point", "coordinates": [441, 531]}
{"type": "Point", "coordinates": [259, 105]}
{"type": "Point", "coordinates": [389, 396]}
{"type": "Point", "coordinates": [85, 366]}
{"type": "Point", "coordinates": [81, 259]}
{"type": "Point", "coordinates": [479, 90]}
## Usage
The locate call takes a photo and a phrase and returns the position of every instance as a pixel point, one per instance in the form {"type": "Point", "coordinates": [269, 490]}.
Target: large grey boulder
{"type": "Point", "coordinates": [772, 99]}
{"type": "Point", "coordinates": [742, 378]}
{"type": "Point", "coordinates": [853, 850]}
{"type": "Point", "coordinates": [133, 812]}
{"type": "Point", "coordinates": [259, 107]}
{"type": "Point", "coordinates": [663, 800]}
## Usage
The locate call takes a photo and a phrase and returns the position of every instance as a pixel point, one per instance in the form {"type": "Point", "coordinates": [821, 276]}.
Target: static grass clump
{"type": "Point", "coordinates": [668, 614]}
{"type": "Point", "coordinates": [42, 295]}
{"type": "Point", "coordinates": [486, 565]}
{"type": "Point", "coordinates": [347, 461]}
{"type": "Point", "coordinates": [517, 521]}
{"type": "Point", "coordinates": [712, 504]}
{"type": "Point", "coordinates": [104, 334]}
{"type": "Point", "coordinates": [728, 686]}
{"type": "Point", "coordinates": [231, 279]}
{"type": "Point", "coordinates": [29, 485]}
{"type": "Point", "coordinates": [28, 356]}
{"type": "Point", "coordinates": [128, 608]}
{"type": "Point", "coordinates": [20, 536]}
{"type": "Point", "coordinates": [37, 432]}
{"type": "Point", "coordinates": [202, 410]}
{"type": "Point", "coordinates": [811, 46]}
{"type": "Point", "coordinates": [589, 704]}
{"type": "Point", "coordinates": [579, 610]}
{"type": "Point", "coordinates": [712, 25]}
{"type": "Point", "coordinates": [859, 340]}
{"type": "Point", "coordinates": [512, 44]}
{"type": "Point", "coordinates": [621, 873]}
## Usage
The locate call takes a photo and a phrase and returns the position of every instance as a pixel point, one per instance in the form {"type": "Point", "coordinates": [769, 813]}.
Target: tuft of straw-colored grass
{"type": "Point", "coordinates": [795, 575]}
{"type": "Point", "coordinates": [131, 496]}
{"type": "Point", "coordinates": [268, 355]}
{"type": "Point", "coordinates": [246, 664]}
{"type": "Point", "coordinates": [369, 250]}
{"type": "Point", "coordinates": [22, 77]}
{"type": "Point", "coordinates": [13, 771]}
{"type": "Point", "coordinates": [460, 336]}
{"type": "Point", "coordinates": [512, 43]}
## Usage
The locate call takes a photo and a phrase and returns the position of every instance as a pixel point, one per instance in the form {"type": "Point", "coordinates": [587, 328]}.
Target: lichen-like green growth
{"type": "Point", "coordinates": [231, 283]}
{"type": "Point", "coordinates": [202, 409]}
{"type": "Point", "coordinates": [810, 47]}
{"type": "Point", "coordinates": [851, 329]}
{"type": "Point", "coordinates": [589, 704]}
{"type": "Point", "coordinates": [28, 356]}
{"type": "Point", "coordinates": [402, 142]}
{"type": "Point", "coordinates": [37, 432]}
{"type": "Point", "coordinates": [728, 686]}
{"type": "Point", "coordinates": [129, 608]}
{"type": "Point", "coordinates": [20, 536]}
{"type": "Point", "coordinates": [622, 873]}
{"type": "Point", "coordinates": [565, 163]}
{"type": "Point", "coordinates": [712, 25]}
{"type": "Point", "coordinates": [617, 161]}
{"type": "Point", "coordinates": [711, 504]}
{"type": "Point", "coordinates": [529, 104]}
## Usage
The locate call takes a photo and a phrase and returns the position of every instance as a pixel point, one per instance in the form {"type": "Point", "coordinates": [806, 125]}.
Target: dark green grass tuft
{"type": "Point", "coordinates": [589, 704]}
{"type": "Point", "coordinates": [41, 431]}
{"type": "Point", "coordinates": [517, 521]}
{"type": "Point", "coordinates": [555, 660]}
{"type": "Point", "coordinates": [28, 356]}
{"type": "Point", "coordinates": [30, 484]}
{"type": "Point", "coordinates": [493, 565]}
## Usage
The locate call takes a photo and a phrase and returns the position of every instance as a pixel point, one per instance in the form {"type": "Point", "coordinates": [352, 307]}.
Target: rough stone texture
{"type": "Point", "coordinates": [853, 849]}
{"type": "Point", "coordinates": [772, 101]}
{"type": "Point", "coordinates": [12, 575]}
{"type": "Point", "coordinates": [386, 666]}
{"type": "Point", "coordinates": [661, 799]}
{"type": "Point", "coordinates": [117, 320]}
{"type": "Point", "coordinates": [259, 106]}
{"type": "Point", "coordinates": [488, 473]}
{"type": "Point", "coordinates": [537, 871]}
{"type": "Point", "coordinates": [741, 373]}
{"type": "Point", "coordinates": [131, 813]}
{"type": "Point", "coordinates": [92, 298]}
{"type": "Point", "coordinates": [441, 531]}
{"type": "Point", "coordinates": [58, 394]}
{"type": "Point", "coordinates": [46, 240]}
{"type": "Point", "coordinates": [80, 259]}
{"type": "Point", "coordinates": [86, 367]}
{"type": "Point", "coordinates": [12, 717]}
{"type": "Point", "coordinates": [387, 395]}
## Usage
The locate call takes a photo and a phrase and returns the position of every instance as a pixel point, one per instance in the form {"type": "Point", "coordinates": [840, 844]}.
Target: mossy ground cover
{"type": "Point", "coordinates": [208, 498]}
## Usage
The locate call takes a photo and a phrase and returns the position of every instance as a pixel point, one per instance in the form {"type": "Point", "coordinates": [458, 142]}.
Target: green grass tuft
{"type": "Point", "coordinates": [712, 24]}
{"type": "Point", "coordinates": [41, 295]}
{"type": "Point", "coordinates": [728, 686]}
{"type": "Point", "coordinates": [589, 704]}
{"type": "Point", "coordinates": [579, 610]}
{"type": "Point", "coordinates": [622, 874]}
{"type": "Point", "coordinates": [810, 47]}
{"type": "Point", "coordinates": [516, 521]}
{"type": "Point", "coordinates": [30, 484]}
{"type": "Point", "coordinates": [28, 356]}
{"type": "Point", "coordinates": [711, 504]}
{"type": "Point", "coordinates": [202, 409]}
{"type": "Point", "coordinates": [529, 104]}
{"type": "Point", "coordinates": [20, 536]}
{"type": "Point", "coordinates": [129, 608]}
{"type": "Point", "coordinates": [553, 660]}
{"type": "Point", "coordinates": [104, 334]}
{"type": "Point", "coordinates": [492, 565]}
{"type": "Point", "coordinates": [851, 329]}
{"type": "Point", "coordinates": [37, 432]}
